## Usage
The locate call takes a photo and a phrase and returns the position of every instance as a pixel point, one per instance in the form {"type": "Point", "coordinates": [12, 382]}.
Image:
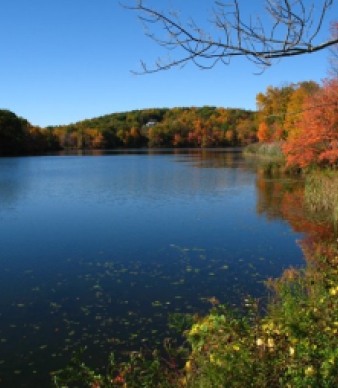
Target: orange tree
{"type": "Point", "coordinates": [317, 141]}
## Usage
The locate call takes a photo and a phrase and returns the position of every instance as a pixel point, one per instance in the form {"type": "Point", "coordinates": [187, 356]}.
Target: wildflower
{"type": "Point", "coordinates": [194, 330]}
{"type": "Point", "coordinates": [292, 351]}
{"type": "Point", "coordinates": [236, 348]}
{"type": "Point", "coordinates": [333, 291]}
{"type": "Point", "coordinates": [259, 342]}
{"type": "Point", "coordinates": [309, 371]}
{"type": "Point", "coordinates": [271, 343]}
{"type": "Point", "coordinates": [268, 326]}
{"type": "Point", "coordinates": [188, 366]}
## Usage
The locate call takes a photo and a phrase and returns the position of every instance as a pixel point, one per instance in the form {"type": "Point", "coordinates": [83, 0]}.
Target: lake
{"type": "Point", "coordinates": [98, 248]}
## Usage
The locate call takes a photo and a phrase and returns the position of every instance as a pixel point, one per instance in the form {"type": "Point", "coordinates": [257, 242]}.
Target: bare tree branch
{"type": "Point", "coordinates": [290, 30]}
{"type": "Point", "coordinates": [333, 59]}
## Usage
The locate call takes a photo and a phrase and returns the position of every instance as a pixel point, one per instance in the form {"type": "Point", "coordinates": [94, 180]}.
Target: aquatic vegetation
{"type": "Point", "coordinates": [141, 369]}
{"type": "Point", "coordinates": [294, 344]}
{"type": "Point", "coordinates": [321, 192]}
{"type": "Point", "coordinates": [290, 341]}
{"type": "Point", "coordinates": [270, 156]}
{"type": "Point", "coordinates": [270, 150]}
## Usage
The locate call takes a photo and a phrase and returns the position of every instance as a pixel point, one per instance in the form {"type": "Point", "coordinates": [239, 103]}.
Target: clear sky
{"type": "Point", "coordinates": [63, 61]}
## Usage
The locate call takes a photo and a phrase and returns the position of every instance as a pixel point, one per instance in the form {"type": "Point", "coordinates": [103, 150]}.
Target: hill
{"type": "Point", "coordinates": [159, 127]}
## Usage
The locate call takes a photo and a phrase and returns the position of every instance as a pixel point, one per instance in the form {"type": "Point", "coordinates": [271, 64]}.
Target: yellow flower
{"type": "Point", "coordinates": [309, 371]}
{"type": "Point", "coordinates": [292, 351]}
{"type": "Point", "coordinates": [333, 290]}
{"type": "Point", "coordinates": [188, 366]}
{"type": "Point", "coordinates": [268, 326]}
{"type": "Point", "coordinates": [236, 347]}
{"type": "Point", "coordinates": [271, 343]}
{"type": "Point", "coordinates": [259, 342]}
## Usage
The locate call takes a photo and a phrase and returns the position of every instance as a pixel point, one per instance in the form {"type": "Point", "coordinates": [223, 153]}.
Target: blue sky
{"type": "Point", "coordinates": [66, 60]}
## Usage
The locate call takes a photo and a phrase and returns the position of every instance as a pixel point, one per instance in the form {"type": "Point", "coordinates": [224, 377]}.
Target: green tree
{"type": "Point", "coordinates": [12, 133]}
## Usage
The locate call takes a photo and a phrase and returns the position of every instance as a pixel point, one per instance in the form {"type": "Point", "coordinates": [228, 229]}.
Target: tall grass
{"type": "Point", "coordinates": [269, 156]}
{"type": "Point", "coordinates": [321, 192]}
{"type": "Point", "coordinates": [269, 150]}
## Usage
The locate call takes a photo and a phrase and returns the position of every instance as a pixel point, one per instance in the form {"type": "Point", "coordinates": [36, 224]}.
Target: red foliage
{"type": "Point", "coordinates": [317, 142]}
{"type": "Point", "coordinates": [263, 133]}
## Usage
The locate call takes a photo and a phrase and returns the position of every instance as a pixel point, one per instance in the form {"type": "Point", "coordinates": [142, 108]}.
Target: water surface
{"type": "Point", "coordinates": [96, 249]}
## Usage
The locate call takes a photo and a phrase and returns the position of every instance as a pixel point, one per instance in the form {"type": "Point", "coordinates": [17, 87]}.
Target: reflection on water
{"type": "Point", "coordinates": [97, 249]}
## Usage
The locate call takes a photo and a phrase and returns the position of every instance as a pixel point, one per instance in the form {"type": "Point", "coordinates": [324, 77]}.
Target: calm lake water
{"type": "Point", "coordinates": [97, 249]}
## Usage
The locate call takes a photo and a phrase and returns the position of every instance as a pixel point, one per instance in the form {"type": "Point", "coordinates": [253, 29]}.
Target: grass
{"type": "Point", "coordinates": [267, 150]}
{"type": "Point", "coordinates": [321, 192]}
{"type": "Point", "coordinates": [270, 156]}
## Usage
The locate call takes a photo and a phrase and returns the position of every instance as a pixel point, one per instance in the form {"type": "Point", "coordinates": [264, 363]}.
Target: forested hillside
{"type": "Point", "coordinates": [18, 136]}
{"type": "Point", "coordinates": [176, 127]}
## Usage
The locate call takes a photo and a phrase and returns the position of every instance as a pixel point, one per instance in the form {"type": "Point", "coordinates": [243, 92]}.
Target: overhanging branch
{"type": "Point", "coordinates": [294, 27]}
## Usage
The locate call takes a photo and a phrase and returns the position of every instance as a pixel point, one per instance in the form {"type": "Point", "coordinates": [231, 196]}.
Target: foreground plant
{"type": "Point", "coordinates": [294, 345]}
{"type": "Point", "coordinates": [142, 369]}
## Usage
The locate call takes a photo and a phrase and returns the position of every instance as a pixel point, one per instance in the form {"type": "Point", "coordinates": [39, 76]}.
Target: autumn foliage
{"type": "Point", "coordinates": [304, 117]}
{"type": "Point", "coordinates": [162, 127]}
{"type": "Point", "coordinates": [263, 132]}
{"type": "Point", "coordinates": [317, 141]}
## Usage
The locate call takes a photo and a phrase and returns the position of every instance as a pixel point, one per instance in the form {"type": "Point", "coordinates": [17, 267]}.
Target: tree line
{"type": "Point", "coordinates": [18, 136]}
{"type": "Point", "coordinates": [302, 116]}
{"type": "Point", "coordinates": [175, 127]}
